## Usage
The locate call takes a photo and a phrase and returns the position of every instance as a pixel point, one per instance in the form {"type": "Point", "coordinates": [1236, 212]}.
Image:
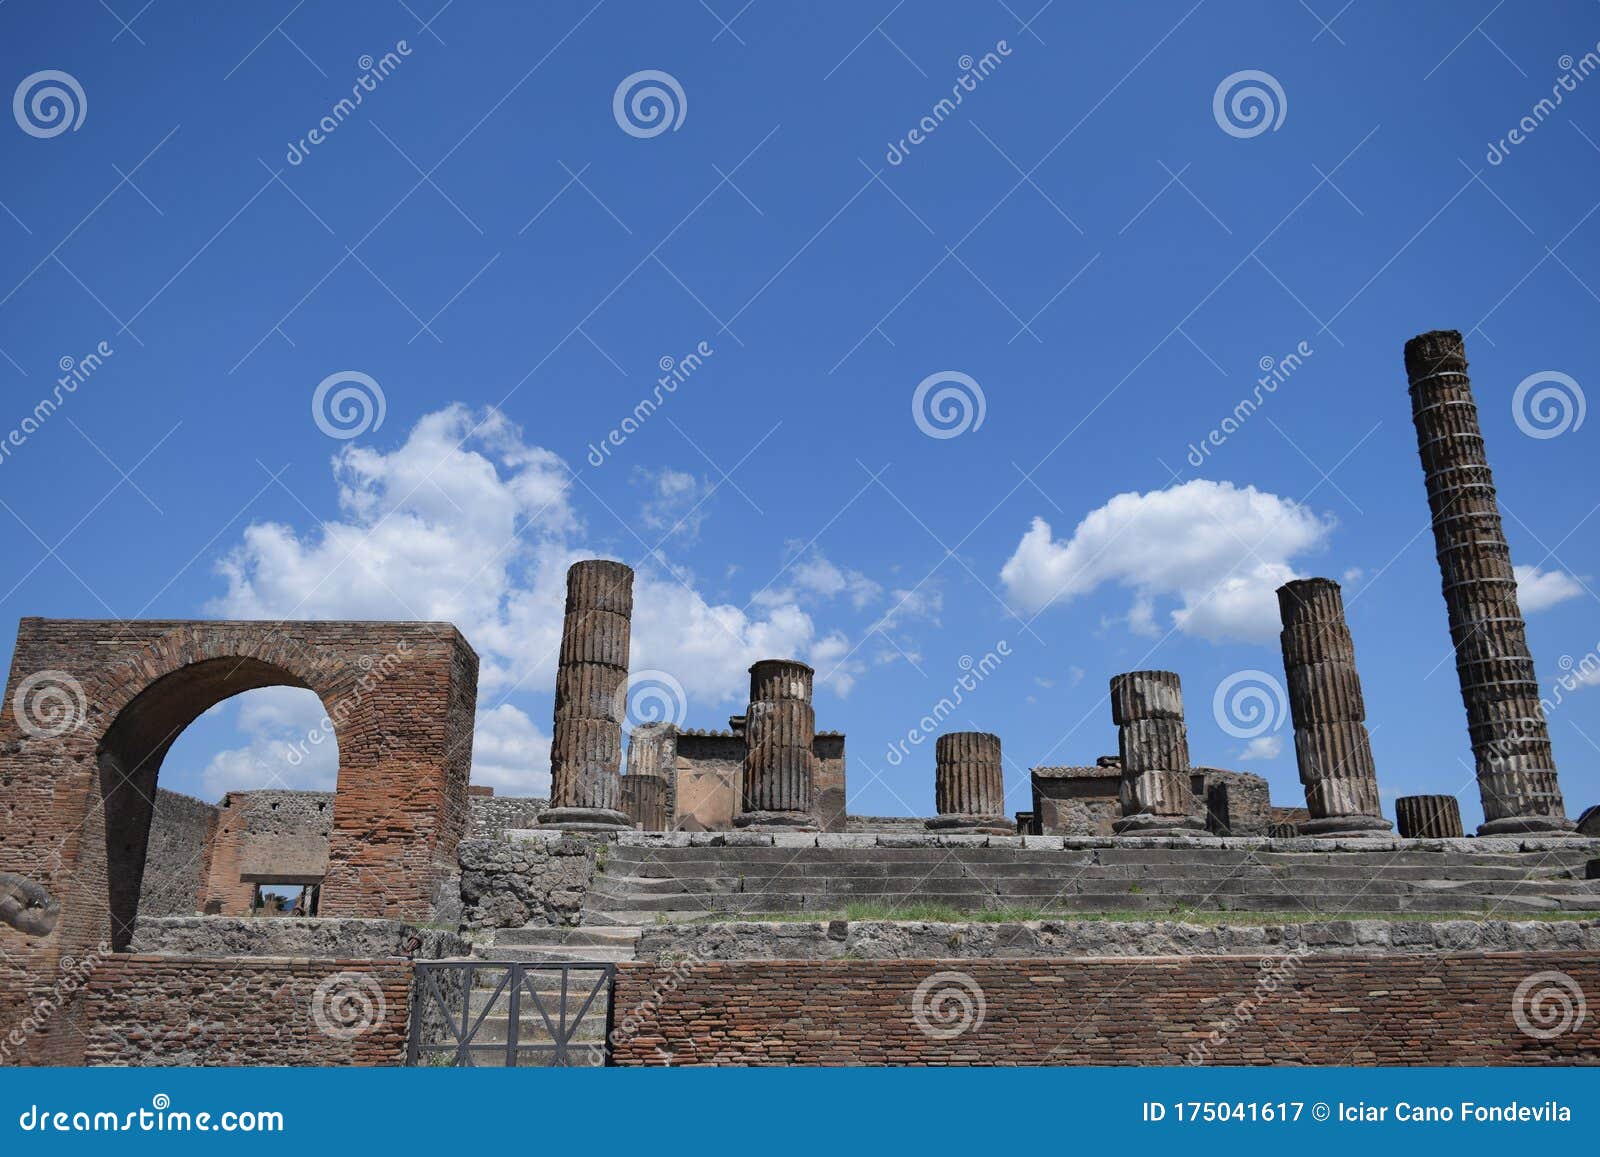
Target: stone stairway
{"type": "Point", "coordinates": [555, 1011]}
{"type": "Point", "coordinates": [649, 885]}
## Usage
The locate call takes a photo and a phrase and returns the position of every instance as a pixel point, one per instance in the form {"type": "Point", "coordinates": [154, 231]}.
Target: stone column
{"type": "Point", "coordinates": [1147, 707]}
{"type": "Point", "coordinates": [591, 691]}
{"type": "Point", "coordinates": [652, 756]}
{"type": "Point", "coordinates": [1330, 731]}
{"type": "Point", "coordinates": [969, 784]}
{"type": "Point", "coordinates": [1510, 742]}
{"type": "Point", "coordinates": [780, 764]}
{"type": "Point", "coordinates": [1428, 817]}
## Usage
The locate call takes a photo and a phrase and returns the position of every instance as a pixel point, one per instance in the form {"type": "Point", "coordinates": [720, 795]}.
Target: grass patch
{"type": "Point", "coordinates": [937, 914]}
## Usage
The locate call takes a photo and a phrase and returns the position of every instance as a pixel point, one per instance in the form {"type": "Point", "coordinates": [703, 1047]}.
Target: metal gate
{"type": "Point", "coordinates": [482, 1013]}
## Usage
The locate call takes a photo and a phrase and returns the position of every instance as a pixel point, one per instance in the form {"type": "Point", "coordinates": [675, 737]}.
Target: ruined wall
{"type": "Point", "coordinates": [266, 837]}
{"type": "Point", "coordinates": [494, 814]}
{"type": "Point", "coordinates": [828, 794]}
{"type": "Point", "coordinates": [174, 1010]}
{"type": "Point", "coordinates": [710, 772]}
{"type": "Point", "coordinates": [1339, 1010]}
{"type": "Point", "coordinates": [1084, 801]}
{"type": "Point", "coordinates": [540, 880]}
{"type": "Point", "coordinates": [178, 858]}
{"type": "Point", "coordinates": [81, 783]}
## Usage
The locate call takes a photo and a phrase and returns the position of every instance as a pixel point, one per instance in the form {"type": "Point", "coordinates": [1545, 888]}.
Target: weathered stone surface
{"type": "Point", "coordinates": [506, 884]}
{"type": "Point", "coordinates": [780, 761]}
{"type": "Point", "coordinates": [1039, 939]}
{"type": "Point", "coordinates": [591, 681]}
{"type": "Point", "coordinates": [1153, 746]}
{"type": "Point", "coordinates": [27, 905]}
{"type": "Point", "coordinates": [1516, 774]}
{"type": "Point", "coordinates": [969, 783]}
{"type": "Point", "coordinates": [1428, 817]}
{"type": "Point", "coordinates": [309, 937]}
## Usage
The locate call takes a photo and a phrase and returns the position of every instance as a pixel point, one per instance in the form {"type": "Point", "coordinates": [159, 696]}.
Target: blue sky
{"type": "Point", "coordinates": [1106, 257]}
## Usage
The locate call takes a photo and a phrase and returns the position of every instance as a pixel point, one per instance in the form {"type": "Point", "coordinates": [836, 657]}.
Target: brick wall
{"type": "Point", "coordinates": [1324, 1010]}
{"type": "Point", "coordinates": [178, 858]}
{"type": "Point", "coordinates": [173, 1010]}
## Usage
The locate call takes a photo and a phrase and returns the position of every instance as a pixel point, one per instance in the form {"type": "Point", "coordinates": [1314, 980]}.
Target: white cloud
{"type": "Point", "coordinates": [1539, 590]}
{"type": "Point", "coordinates": [812, 576]}
{"type": "Point", "coordinates": [464, 522]}
{"type": "Point", "coordinates": [287, 745]}
{"type": "Point", "coordinates": [674, 502]}
{"type": "Point", "coordinates": [1220, 550]}
{"type": "Point", "coordinates": [1262, 747]}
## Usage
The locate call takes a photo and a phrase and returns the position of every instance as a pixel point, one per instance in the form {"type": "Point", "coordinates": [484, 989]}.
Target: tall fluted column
{"type": "Point", "coordinates": [1510, 742]}
{"type": "Point", "coordinates": [1330, 730]}
{"type": "Point", "coordinates": [647, 788]}
{"type": "Point", "coordinates": [969, 784]}
{"type": "Point", "coordinates": [591, 689]}
{"type": "Point", "coordinates": [1147, 707]}
{"type": "Point", "coordinates": [1428, 817]}
{"type": "Point", "coordinates": [779, 762]}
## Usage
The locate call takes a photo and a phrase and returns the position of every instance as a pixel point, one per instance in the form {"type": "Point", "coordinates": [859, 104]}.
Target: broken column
{"type": "Point", "coordinates": [969, 784]}
{"type": "Point", "coordinates": [779, 762]}
{"type": "Point", "coordinates": [1330, 731]}
{"type": "Point", "coordinates": [1147, 707]}
{"type": "Point", "coordinates": [652, 766]}
{"type": "Point", "coordinates": [1428, 817]}
{"type": "Point", "coordinates": [591, 693]}
{"type": "Point", "coordinates": [1510, 742]}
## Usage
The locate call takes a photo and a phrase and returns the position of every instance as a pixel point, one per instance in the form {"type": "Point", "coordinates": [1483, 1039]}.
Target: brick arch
{"type": "Point", "coordinates": [150, 698]}
{"type": "Point", "coordinates": [401, 698]}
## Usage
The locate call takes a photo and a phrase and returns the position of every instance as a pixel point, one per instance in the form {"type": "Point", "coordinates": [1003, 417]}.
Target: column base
{"type": "Point", "coordinates": [1347, 827]}
{"type": "Point", "coordinates": [1146, 824]}
{"type": "Point", "coordinates": [1529, 826]}
{"type": "Point", "coordinates": [585, 819]}
{"type": "Point", "coordinates": [971, 824]}
{"type": "Point", "coordinates": [766, 821]}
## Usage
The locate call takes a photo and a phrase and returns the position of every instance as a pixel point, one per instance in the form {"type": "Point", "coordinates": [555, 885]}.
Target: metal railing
{"type": "Point", "coordinates": [460, 1006]}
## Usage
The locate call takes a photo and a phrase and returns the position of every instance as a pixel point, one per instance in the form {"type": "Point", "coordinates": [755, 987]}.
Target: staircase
{"type": "Point", "coordinates": [648, 885]}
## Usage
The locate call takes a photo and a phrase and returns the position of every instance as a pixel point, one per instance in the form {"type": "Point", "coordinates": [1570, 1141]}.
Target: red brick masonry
{"type": "Point", "coordinates": [1320, 1010]}
{"type": "Point", "coordinates": [174, 1010]}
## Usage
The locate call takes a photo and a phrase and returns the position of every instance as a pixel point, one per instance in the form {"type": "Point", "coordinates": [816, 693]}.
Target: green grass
{"type": "Point", "coordinates": [937, 914]}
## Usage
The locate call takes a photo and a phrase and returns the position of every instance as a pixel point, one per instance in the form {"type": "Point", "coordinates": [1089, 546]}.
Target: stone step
{"type": "Point", "coordinates": [567, 937]}
{"type": "Point", "coordinates": [551, 954]}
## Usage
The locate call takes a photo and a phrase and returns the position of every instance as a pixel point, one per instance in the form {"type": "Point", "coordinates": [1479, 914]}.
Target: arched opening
{"type": "Point", "coordinates": [189, 853]}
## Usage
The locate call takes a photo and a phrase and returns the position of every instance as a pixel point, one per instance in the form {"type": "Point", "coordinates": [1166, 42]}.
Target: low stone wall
{"type": "Point", "coordinates": [1252, 1010]}
{"type": "Point", "coordinates": [1043, 939]}
{"type": "Point", "coordinates": [173, 1010]}
{"type": "Point", "coordinates": [861, 824]}
{"type": "Point", "coordinates": [1468, 846]}
{"type": "Point", "coordinates": [492, 815]}
{"type": "Point", "coordinates": [327, 939]}
{"type": "Point", "coordinates": [529, 878]}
